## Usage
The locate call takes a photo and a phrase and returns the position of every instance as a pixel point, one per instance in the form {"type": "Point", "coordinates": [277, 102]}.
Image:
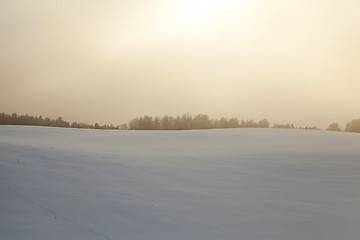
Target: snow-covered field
{"type": "Point", "coordinates": [238, 184]}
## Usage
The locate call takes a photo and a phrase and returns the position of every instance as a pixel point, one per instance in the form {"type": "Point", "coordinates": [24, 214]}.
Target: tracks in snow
{"type": "Point", "coordinates": [55, 214]}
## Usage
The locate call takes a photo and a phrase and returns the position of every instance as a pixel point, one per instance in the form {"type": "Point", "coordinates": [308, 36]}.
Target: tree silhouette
{"type": "Point", "coordinates": [14, 119]}
{"type": "Point", "coordinates": [186, 121]}
{"type": "Point", "coordinates": [333, 127]}
{"type": "Point", "coordinates": [353, 126]}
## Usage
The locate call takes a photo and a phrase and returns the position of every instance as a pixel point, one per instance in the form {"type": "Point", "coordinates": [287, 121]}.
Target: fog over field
{"type": "Point", "coordinates": [111, 61]}
{"type": "Point", "coordinates": [247, 184]}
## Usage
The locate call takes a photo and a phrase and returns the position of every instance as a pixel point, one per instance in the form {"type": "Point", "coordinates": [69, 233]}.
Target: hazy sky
{"type": "Point", "coordinates": [108, 61]}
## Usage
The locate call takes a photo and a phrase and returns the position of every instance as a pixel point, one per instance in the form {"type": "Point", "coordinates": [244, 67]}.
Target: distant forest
{"type": "Point", "coordinates": [200, 121]}
{"type": "Point", "coordinates": [184, 122]}
{"type": "Point", "coordinates": [14, 119]}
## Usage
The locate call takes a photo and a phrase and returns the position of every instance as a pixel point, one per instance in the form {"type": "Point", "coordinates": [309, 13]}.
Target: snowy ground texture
{"type": "Point", "coordinates": [238, 184]}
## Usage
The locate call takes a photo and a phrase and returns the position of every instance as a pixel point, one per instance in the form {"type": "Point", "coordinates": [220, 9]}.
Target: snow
{"type": "Point", "coordinates": [247, 184]}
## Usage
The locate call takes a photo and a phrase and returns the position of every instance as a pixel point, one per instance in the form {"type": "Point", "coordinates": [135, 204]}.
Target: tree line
{"type": "Point", "coordinates": [14, 119]}
{"type": "Point", "coordinates": [291, 126]}
{"type": "Point", "coordinates": [352, 126]}
{"type": "Point", "coordinates": [187, 122]}
{"type": "Point", "coordinates": [201, 121]}
{"type": "Point", "coordinates": [184, 122]}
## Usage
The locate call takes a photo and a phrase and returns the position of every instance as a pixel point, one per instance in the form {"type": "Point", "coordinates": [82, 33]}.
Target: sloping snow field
{"type": "Point", "coordinates": [238, 184]}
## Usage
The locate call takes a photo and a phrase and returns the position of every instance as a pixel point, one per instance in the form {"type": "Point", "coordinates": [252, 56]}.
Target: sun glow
{"type": "Point", "coordinates": [169, 22]}
{"type": "Point", "coordinates": [200, 16]}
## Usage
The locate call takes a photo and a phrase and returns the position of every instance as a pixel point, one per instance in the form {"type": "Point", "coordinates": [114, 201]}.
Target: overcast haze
{"type": "Point", "coordinates": [110, 61]}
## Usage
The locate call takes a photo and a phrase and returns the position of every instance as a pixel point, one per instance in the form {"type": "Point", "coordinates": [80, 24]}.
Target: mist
{"type": "Point", "coordinates": [111, 61]}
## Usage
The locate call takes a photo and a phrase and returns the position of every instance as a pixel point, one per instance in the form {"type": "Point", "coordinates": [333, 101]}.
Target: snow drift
{"type": "Point", "coordinates": [263, 184]}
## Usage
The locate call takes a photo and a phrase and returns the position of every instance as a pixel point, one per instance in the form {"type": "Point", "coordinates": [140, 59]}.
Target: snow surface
{"type": "Point", "coordinates": [238, 184]}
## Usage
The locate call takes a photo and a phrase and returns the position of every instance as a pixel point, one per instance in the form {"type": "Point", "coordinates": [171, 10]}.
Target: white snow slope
{"type": "Point", "coordinates": [238, 184]}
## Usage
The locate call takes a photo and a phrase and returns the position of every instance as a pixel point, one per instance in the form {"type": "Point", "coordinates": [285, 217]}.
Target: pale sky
{"type": "Point", "coordinates": [291, 61]}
